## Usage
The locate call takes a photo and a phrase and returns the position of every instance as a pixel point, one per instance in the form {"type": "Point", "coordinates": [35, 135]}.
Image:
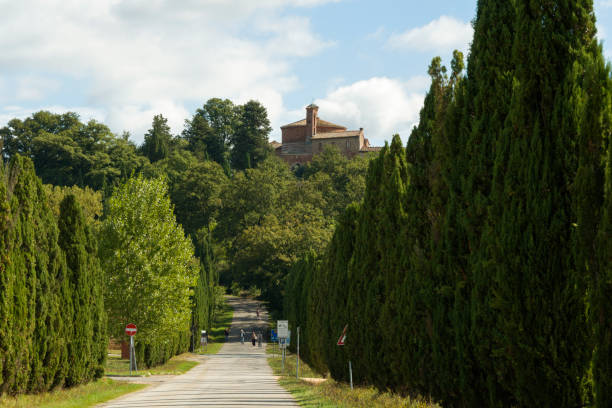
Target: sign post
{"type": "Point", "coordinates": [282, 330]}
{"type": "Point", "coordinates": [204, 340]}
{"type": "Point", "coordinates": [342, 342]}
{"type": "Point", "coordinates": [131, 330]}
{"type": "Point", "coordinates": [297, 358]}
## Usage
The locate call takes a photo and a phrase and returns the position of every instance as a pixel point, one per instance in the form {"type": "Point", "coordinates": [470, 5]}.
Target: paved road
{"type": "Point", "coordinates": [238, 376]}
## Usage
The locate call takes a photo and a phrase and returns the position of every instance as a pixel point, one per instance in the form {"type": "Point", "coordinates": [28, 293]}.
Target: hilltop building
{"type": "Point", "coordinates": [307, 137]}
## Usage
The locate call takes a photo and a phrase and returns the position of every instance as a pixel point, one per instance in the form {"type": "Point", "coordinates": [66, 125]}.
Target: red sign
{"type": "Point", "coordinates": [130, 329]}
{"type": "Point", "coordinates": [342, 338]}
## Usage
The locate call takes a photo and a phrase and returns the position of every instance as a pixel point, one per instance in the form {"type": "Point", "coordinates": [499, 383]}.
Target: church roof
{"type": "Point", "coordinates": [334, 135]}
{"type": "Point", "coordinates": [320, 122]}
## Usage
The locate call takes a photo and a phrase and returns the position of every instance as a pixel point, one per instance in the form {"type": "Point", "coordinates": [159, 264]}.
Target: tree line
{"type": "Point", "coordinates": [168, 221]}
{"type": "Point", "coordinates": [476, 269]}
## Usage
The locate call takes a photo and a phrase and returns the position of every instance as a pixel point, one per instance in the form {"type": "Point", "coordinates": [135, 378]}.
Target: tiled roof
{"type": "Point", "coordinates": [334, 135]}
{"type": "Point", "coordinates": [320, 122]}
{"type": "Point", "coordinates": [370, 149]}
{"type": "Point", "coordinates": [275, 144]}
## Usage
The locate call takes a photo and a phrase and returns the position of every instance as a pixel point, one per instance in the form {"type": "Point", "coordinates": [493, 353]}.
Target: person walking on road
{"type": "Point", "coordinates": [242, 336]}
{"type": "Point", "coordinates": [226, 332]}
{"type": "Point", "coordinates": [253, 338]}
{"type": "Point", "coordinates": [257, 312]}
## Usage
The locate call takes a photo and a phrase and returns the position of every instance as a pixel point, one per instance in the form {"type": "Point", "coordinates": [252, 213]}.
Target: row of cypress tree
{"type": "Point", "coordinates": [204, 293]}
{"type": "Point", "coordinates": [477, 269]}
{"type": "Point", "coordinates": [52, 318]}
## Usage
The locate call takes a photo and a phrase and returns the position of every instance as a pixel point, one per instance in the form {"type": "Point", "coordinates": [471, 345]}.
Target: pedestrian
{"type": "Point", "coordinates": [242, 336]}
{"type": "Point", "coordinates": [253, 338]}
{"type": "Point", "coordinates": [226, 332]}
{"type": "Point", "coordinates": [257, 312]}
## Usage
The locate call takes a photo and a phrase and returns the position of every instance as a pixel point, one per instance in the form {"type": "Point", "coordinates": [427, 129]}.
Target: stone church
{"type": "Point", "coordinates": [307, 137]}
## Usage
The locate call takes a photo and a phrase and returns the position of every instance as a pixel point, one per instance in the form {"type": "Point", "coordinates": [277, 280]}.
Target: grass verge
{"type": "Point", "coordinates": [86, 395]}
{"type": "Point", "coordinates": [176, 365]}
{"type": "Point", "coordinates": [216, 337]}
{"type": "Point", "coordinates": [327, 393]}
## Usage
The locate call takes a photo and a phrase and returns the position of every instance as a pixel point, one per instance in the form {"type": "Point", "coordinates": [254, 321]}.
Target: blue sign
{"type": "Point", "coordinates": [273, 336]}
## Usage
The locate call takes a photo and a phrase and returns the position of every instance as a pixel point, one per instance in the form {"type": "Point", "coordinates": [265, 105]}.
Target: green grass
{"type": "Point", "coordinates": [81, 396]}
{"type": "Point", "coordinates": [216, 337]}
{"type": "Point", "coordinates": [329, 393]}
{"type": "Point", "coordinates": [176, 365]}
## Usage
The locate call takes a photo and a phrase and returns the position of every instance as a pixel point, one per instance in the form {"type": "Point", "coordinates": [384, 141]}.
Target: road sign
{"type": "Point", "coordinates": [272, 335]}
{"type": "Point", "coordinates": [130, 329]}
{"type": "Point", "coordinates": [282, 328]}
{"type": "Point", "coordinates": [342, 338]}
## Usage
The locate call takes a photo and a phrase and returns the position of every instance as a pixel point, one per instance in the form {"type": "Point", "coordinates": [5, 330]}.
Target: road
{"type": "Point", "coordinates": [238, 376]}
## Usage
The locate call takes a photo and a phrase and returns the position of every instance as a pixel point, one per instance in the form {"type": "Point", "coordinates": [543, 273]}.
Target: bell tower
{"type": "Point", "coordinates": [311, 121]}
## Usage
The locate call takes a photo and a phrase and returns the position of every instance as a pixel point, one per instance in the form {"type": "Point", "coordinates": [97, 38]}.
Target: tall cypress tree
{"type": "Point", "coordinates": [486, 101]}
{"type": "Point", "coordinates": [539, 346]}
{"type": "Point", "coordinates": [601, 299]}
{"type": "Point", "coordinates": [88, 340]}
{"type": "Point", "coordinates": [334, 296]}
{"type": "Point", "coordinates": [593, 101]}
{"type": "Point", "coordinates": [33, 333]}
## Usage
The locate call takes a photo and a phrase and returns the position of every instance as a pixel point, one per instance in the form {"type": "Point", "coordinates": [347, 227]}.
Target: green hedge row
{"type": "Point", "coordinates": [52, 320]}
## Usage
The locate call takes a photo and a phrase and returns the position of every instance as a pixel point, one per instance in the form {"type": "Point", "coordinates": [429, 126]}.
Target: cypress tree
{"type": "Point", "coordinates": [335, 313]}
{"type": "Point", "coordinates": [538, 337]}
{"type": "Point", "coordinates": [485, 101]}
{"type": "Point", "coordinates": [88, 340]}
{"type": "Point", "coordinates": [364, 281]}
{"type": "Point", "coordinates": [390, 241]}
{"type": "Point", "coordinates": [600, 301]}
{"type": "Point", "coordinates": [32, 328]}
{"type": "Point", "coordinates": [156, 144]}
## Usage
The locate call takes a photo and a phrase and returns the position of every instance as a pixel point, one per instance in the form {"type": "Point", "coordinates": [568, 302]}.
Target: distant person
{"type": "Point", "coordinates": [242, 336]}
{"type": "Point", "coordinates": [226, 332]}
{"type": "Point", "coordinates": [253, 338]}
{"type": "Point", "coordinates": [257, 312]}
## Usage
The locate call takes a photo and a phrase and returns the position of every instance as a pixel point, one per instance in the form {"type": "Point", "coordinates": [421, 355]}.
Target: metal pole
{"type": "Point", "coordinates": [283, 351]}
{"type": "Point", "coordinates": [135, 362]}
{"type": "Point", "coordinates": [131, 352]}
{"type": "Point", "coordinates": [351, 374]}
{"type": "Point", "coordinates": [297, 358]}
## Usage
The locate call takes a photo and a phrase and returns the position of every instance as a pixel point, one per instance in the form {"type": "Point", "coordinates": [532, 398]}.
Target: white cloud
{"type": "Point", "coordinates": [382, 106]}
{"type": "Point", "coordinates": [441, 35]}
{"type": "Point", "coordinates": [142, 57]}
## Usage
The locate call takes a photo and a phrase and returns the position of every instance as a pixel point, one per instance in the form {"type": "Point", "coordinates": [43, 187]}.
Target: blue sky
{"type": "Point", "coordinates": [363, 62]}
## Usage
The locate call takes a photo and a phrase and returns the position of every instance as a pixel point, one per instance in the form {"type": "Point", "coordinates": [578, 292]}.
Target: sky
{"type": "Point", "coordinates": [121, 62]}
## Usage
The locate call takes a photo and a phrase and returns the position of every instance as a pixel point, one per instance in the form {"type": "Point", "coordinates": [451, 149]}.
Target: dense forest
{"type": "Point", "coordinates": [477, 269]}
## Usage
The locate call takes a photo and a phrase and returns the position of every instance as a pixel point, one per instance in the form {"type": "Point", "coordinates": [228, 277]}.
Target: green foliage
{"type": "Point", "coordinates": [67, 152]}
{"type": "Point", "coordinates": [250, 138]}
{"type": "Point", "coordinates": [211, 129]}
{"type": "Point", "coordinates": [150, 269]}
{"type": "Point", "coordinates": [464, 272]}
{"type": "Point", "coordinates": [157, 140]}
{"type": "Point", "coordinates": [46, 272]}
{"type": "Point", "coordinates": [89, 200]}
{"type": "Point", "coordinates": [205, 296]}
{"type": "Point", "coordinates": [88, 338]}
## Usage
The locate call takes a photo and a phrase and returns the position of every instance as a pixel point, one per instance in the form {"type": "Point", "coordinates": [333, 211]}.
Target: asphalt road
{"type": "Point", "coordinates": [238, 376]}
